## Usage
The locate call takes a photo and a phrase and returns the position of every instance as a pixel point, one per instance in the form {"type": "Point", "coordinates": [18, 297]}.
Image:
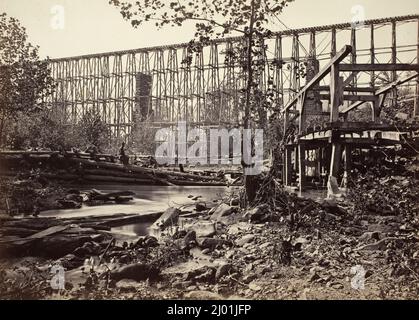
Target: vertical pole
{"type": "Point", "coordinates": [372, 55]}
{"type": "Point", "coordinates": [301, 165]}
{"type": "Point", "coordinates": [416, 107]}
{"type": "Point", "coordinates": [288, 166]}
{"type": "Point", "coordinates": [348, 163]}
{"type": "Point", "coordinates": [394, 61]}
{"type": "Point", "coordinates": [335, 93]}
{"type": "Point", "coordinates": [335, 158]}
{"type": "Point", "coordinates": [333, 43]}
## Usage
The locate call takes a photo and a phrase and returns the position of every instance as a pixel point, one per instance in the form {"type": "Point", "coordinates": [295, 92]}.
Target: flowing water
{"type": "Point", "coordinates": [147, 199]}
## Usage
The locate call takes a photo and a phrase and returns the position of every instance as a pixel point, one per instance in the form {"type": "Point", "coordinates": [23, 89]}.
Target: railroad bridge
{"type": "Point", "coordinates": [162, 85]}
{"type": "Point", "coordinates": [156, 84]}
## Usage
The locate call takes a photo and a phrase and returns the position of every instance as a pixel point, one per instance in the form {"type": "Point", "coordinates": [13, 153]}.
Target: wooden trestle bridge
{"type": "Point", "coordinates": [159, 86]}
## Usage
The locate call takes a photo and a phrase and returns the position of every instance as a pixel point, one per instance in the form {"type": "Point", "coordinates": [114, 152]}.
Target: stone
{"type": "Point", "coordinates": [127, 285]}
{"type": "Point", "coordinates": [203, 295]}
{"type": "Point", "coordinates": [371, 235]}
{"type": "Point", "coordinates": [135, 271]}
{"type": "Point", "coordinates": [222, 270]}
{"type": "Point", "coordinates": [210, 243]}
{"type": "Point", "coordinates": [254, 287]}
{"type": "Point", "coordinates": [200, 206]}
{"type": "Point", "coordinates": [168, 218]}
{"type": "Point", "coordinates": [235, 202]}
{"type": "Point", "coordinates": [245, 239]}
{"type": "Point", "coordinates": [221, 211]}
{"type": "Point", "coordinates": [190, 237]}
{"type": "Point", "coordinates": [256, 214]}
{"type": "Point", "coordinates": [204, 228]}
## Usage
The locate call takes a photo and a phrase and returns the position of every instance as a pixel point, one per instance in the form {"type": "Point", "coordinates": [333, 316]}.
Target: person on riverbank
{"type": "Point", "coordinates": [122, 156]}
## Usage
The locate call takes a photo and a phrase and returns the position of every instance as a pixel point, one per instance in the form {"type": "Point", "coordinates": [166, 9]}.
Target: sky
{"type": "Point", "coordinates": [94, 26]}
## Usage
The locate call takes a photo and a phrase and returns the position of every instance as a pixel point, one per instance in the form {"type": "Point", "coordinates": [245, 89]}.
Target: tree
{"type": "Point", "coordinates": [25, 80]}
{"type": "Point", "coordinates": [218, 18]}
{"type": "Point", "coordinates": [93, 130]}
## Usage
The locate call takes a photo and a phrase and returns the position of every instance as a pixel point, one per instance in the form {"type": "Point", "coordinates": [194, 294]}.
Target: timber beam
{"type": "Point", "coordinates": [378, 67]}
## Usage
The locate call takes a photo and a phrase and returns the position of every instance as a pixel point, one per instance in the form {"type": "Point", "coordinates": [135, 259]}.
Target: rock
{"type": "Point", "coordinates": [70, 261]}
{"type": "Point", "coordinates": [126, 285]}
{"type": "Point", "coordinates": [69, 204]}
{"type": "Point", "coordinates": [200, 206]}
{"type": "Point", "coordinates": [370, 235]}
{"type": "Point", "coordinates": [58, 245]}
{"type": "Point", "coordinates": [245, 239]}
{"type": "Point", "coordinates": [379, 245]}
{"type": "Point", "coordinates": [235, 202]}
{"type": "Point", "coordinates": [249, 278]}
{"type": "Point", "coordinates": [201, 274]}
{"type": "Point", "coordinates": [135, 271]}
{"type": "Point", "coordinates": [265, 245]}
{"type": "Point", "coordinates": [150, 242]}
{"type": "Point", "coordinates": [337, 285]}
{"type": "Point", "coordinates": [221, 211]}
{"type": "Point", "coordinates": [254, 287]}
{"type": "Point", "coordinates": [222, 271]}
{"type": "Point", "coordinates": [210, 243]}
{"type": "Point", "coordinates": [203, 295]}
{"type": "Point", "coordinates": [206, 251]}
{"type": "Point", "coordinates": [204, 228]}
{"type": "Point", "coordinates": [314, 277]}
{"type": "Point", "coordinates": [256, 214]}
{"type": "Point", "coordinates": [168, 218]}
{"type": "Point", "coordinates": [74, 197]}
{"type": "Point", "coordinates": [188, 241]}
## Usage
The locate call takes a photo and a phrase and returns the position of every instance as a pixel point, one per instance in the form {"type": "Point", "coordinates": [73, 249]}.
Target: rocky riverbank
{"type": "Point", "coordinates": [364, 247]}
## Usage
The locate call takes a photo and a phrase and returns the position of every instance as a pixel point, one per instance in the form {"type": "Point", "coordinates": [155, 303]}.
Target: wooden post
{"type": "Point", "coordinates": [332, 185]}
{"type": "Point", "coordinates": [416, 107]}
{"type": "Point", "coordinates": [348, 163]}
{"type": "Point", "coordinates": [393, 61]}
{"type": "Point", "coordinates": [301, 165]}
{"type": "Point", "coordinates": [288, 166]}
{"type": "Point", "coordinates": [336, 93]}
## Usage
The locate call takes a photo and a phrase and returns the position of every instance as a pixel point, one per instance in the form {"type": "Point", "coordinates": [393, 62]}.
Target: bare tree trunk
{"type": "Point", "coordinates": [2, 122]}
{"type": "Point", "coordinates": [249, 180]}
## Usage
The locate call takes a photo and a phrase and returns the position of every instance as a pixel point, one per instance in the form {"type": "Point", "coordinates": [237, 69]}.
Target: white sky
{"type": "Point", "coordinates": [93, 26]}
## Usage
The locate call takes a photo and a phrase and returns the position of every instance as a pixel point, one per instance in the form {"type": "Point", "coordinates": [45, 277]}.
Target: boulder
{"type": "Point", "coordinates": [221, 211]}
{"type": "Point", "coordinates": [256, 214]}
{"type": "Point", "coordinates": [135, 271]}
{"type": "Point", "coordinates": [168, 218]}
{"type": "Point", "coordinates": [200, 206]}
{"type": "Point", "coordinates": [204, 228]}
{"type": "Point", "coordinates": [245, 239]}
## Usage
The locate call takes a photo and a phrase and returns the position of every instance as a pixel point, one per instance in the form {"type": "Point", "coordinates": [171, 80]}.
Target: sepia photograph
{"type": "Point", "coordinates": [227, 152]}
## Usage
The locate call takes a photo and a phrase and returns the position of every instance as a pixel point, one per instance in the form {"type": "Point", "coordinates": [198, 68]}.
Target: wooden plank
{"type": "Point", "coordinates": [394, 84]}
{"type": "Point", "coordinates": [335, 92]}
{"type": "Point", "coordinates": [351, 97]}
{"type": "Point", "coordinates": [379, 67]}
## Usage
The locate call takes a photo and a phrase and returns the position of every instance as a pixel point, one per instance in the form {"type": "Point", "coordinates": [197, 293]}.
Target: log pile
{"type": "Point", "coordinates": [74, 167]}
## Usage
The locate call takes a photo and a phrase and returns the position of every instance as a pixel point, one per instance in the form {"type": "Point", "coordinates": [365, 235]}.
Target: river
{"type": "Point", "coordinates": [147, 199]}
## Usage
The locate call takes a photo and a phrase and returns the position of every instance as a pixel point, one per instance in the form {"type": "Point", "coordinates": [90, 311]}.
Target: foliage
{"type": "Point", "coordinates": [93, 130]}
{"type": "Point", "coordinates": [25, 80]}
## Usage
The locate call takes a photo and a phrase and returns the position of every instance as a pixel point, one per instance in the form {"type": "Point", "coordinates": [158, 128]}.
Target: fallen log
{"type": "Point", "coordinates": [158, 173]}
